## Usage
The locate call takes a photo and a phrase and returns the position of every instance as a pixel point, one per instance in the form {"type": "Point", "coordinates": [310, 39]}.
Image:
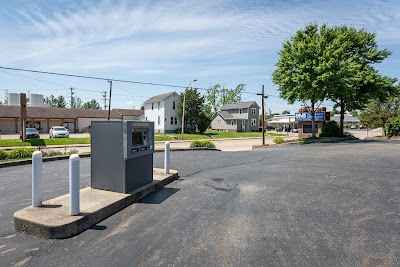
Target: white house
{"type": "Point", "coordinates": [163, 110]}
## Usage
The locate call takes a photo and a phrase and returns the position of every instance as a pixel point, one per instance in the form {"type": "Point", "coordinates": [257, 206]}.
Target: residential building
{"type": "Point", "coordinates": [163, 111]}
{"type": "Point", "coordinates": [239, 117]}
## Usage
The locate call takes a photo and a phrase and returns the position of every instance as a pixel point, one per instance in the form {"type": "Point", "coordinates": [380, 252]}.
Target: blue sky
{"type": "Point", "coordinates": [170, 42]}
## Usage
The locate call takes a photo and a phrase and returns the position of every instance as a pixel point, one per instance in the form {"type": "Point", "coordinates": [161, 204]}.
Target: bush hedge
{"type": "Point", "coordinates": [392, 126]}
{"type": "Point", "coordinates": [25, 153]}
{"type": "Point", "coordinates": [278, 139]}
{"type": "Point", "coordinates": [330, 129]}
{"type": "Point", "coordinates": [200, 143]}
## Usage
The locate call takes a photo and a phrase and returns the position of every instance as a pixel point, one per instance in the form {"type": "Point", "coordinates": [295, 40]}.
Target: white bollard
{"type": "Point", "coordinates": [37, 179]}
{"type": "Point", "coordinates": [74, 184]}
{"type": "Point", "coordinates": [166, 158]}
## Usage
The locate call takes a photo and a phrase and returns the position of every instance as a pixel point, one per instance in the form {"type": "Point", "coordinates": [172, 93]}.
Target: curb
{"type": "Point", "coordinates": [30, 221]}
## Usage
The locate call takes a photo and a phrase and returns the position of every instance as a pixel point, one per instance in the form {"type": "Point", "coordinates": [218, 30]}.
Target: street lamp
{"type": "Point", "coordinates": [183, 108]}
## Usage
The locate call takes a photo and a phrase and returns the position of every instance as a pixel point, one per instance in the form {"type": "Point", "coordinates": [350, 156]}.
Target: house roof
{"type": "Point", "coordinates": [158, 97]}
{"type": "Point", "coordinates": [63, 113]}
{"type": "Point", "coordinates": [129, 112]}
{"type": "Point", "coordinates": [226, 115]}
{"type": "Point", "coordinates": [239, 105]}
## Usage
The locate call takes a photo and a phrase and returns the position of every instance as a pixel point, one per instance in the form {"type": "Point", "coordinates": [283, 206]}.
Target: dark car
{"type": "Point", "coordinates": [30, 133]}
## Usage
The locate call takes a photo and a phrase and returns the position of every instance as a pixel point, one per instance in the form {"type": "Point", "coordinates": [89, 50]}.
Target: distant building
{"type": "Point", "coordinates": [239, 117]}
{"type": "Point", "coordinates": [348, 121]}
{"type": "Point", "coordinates": [163, 111]}
{"type": "Point", "coordinates": [43, 118]}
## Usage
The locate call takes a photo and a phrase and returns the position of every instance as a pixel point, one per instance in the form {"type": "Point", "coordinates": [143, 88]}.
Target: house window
{"type": "Point", "coordinates": [146, 118]}
{"type": "Point", "coordinates": [176, 120]}
{"type": "Point", "coordinates": [159, 120]}
{"type": "Point", "coordinates": [253, 111]}
{"type": "Point", "coordinates": [158, 104]}
{"type": "Point", "coordinates": [232, 122]}
{"type": "Point", "coordinates": [152, 106]}
{"type": "Point", "coordinates": [240, 111]}
{"type": "Point", "coordinates": [173, 105]}
{"type": "Point", "coordinates": [172, 120]}
{"type": "Point", "coordinates": [219, 120]}
{"type": "Point", "coordinates": [253, 122]}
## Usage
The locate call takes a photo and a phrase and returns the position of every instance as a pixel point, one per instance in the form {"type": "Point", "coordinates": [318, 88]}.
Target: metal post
{"type": "Point", "coordinates": [183, 114]}
{"type": "Point", "coordinates": [109, 101]}
{"type": "Point", "coordinates": [37, 179]}
{"type": "Point", "coordinates": [74, 184]}
{"type": "Point", "coordinates": [166, 157]}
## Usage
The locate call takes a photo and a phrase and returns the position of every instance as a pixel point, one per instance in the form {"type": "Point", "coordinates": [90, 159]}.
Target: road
{"type": "Point", "coordinates": [294, 205]}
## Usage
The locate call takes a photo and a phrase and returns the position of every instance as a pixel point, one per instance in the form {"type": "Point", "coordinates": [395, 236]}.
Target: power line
{"type": "Point", "coordinates": [108, 79]}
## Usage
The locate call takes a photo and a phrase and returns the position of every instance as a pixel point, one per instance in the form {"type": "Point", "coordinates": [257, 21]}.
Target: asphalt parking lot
{"type": "Point", "coordinates": [294, 205]}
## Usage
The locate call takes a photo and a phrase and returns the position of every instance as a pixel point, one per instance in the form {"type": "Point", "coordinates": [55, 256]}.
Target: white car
{"type": "Point", "coordinates": [58, 131]}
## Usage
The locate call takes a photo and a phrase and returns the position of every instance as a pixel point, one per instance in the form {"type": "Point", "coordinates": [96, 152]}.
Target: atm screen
{"type": "Point", "coordinates": [137, 138]}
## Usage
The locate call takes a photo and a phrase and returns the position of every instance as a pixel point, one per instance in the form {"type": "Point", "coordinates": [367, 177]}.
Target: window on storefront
{"type": "Point", "coordinates": [307, 128]}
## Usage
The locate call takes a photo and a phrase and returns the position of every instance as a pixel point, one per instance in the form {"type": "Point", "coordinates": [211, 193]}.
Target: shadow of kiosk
{"type": "Point", "coordinates": [121, 155]}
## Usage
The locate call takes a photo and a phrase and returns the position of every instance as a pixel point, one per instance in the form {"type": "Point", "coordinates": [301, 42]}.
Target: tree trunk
{"type": "Point", "coordinates": [341, 117]}
{"type": "Point", "coordinates": [314, 136]}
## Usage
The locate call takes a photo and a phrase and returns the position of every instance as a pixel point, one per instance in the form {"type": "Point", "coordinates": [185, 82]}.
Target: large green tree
{"type": "Point", "coordinates": [334, 63]}
{"type": "Point", "coordinates": [302, 72]}
{"type": "Point", "coordinates": [355, 81]}
{"type": "Point", "coordinates": [194, 114]}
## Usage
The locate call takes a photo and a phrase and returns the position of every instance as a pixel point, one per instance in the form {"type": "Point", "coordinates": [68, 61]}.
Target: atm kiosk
{"type": "Point", "coordinates": [121, 155]}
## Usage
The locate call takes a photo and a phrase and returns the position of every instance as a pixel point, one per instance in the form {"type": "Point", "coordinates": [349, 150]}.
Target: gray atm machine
{"type": "Point", "coordinates": [121, 155]}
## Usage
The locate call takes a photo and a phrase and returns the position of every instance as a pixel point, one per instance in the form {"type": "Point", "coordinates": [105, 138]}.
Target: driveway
{"type": "Point", "coordinates": [297, 205]}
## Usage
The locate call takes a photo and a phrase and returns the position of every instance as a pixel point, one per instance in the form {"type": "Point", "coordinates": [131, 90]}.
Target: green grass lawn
{"type": "Point", "coordinates": [157, 137]}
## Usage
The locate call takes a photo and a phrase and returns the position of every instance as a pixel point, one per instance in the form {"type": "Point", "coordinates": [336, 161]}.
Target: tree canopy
{"type": "Point", "coordinates": [93, 104]}
{"type": "Point", "coordinates": [194, 115]}
{"type": "Point", "coordinates": [333, 63]}
{"type": "Point", "coordinates": [217, 96]}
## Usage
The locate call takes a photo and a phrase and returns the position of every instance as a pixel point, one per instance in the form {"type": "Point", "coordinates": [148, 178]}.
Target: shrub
{"type": "Point", "coordinates": [205, 143]}
{"type": "Point", "coordinates": [51, 153]}
{"type": "Point", "coordinates": [73, 151]}
{"type": "Point", "coordinates": [392, 126]}
{"type": "Point", "coordinates": [278, 139]}
{"type": "Point", "coordinates": [3, 154]}
{"type": "Point", "coordinates": [21, 153]}
{"type": "Point", "coordinates": [330, 129]}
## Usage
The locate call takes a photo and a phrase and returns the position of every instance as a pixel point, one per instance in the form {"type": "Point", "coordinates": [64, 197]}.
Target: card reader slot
{"type": "Point", "coordinates": [134, 150]}
{"type": "Point", "coordinates": [143, 148]}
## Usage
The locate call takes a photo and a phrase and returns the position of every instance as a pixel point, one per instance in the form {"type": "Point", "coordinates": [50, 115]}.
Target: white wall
{"type": "Point", "coordinates": [152, 115]}
{"type": "Point", "coordinates": [165, 112]}
{"type": "Point", "coordinates": [170, 112]}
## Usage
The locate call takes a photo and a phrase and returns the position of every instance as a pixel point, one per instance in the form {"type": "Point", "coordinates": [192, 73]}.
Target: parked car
{"type": "Point", "coordinates": [353, 127]}
{"type": "Point", "coordinates": [58, 131]}
{"type": "Point", "coordinates": [295, 130]}
{"type": "Point", "coordinates": [30, 133]}
{"type": "Point", "coordinates": [278, 129]}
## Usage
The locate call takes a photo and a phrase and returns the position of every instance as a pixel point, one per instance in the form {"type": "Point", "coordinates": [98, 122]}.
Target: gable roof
{"type": "Point", "coordinates": [129, 112]}
{"type": "Point", "coordinates": [239, 105]}
{"type": "Point", "coordinates": [158, 97]}
{"type": "Point", "coordinates": [226, 115]}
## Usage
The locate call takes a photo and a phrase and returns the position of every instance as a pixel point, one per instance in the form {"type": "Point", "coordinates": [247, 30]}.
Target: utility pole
{"type": "Point", "coordinates": [72, 97]}
{"type": "Point", "coordinates": [263, 114]}
{"type": "Point", "coordinates": [109, 100]}
{"type": "Point", "coordinates": [105, 99]}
